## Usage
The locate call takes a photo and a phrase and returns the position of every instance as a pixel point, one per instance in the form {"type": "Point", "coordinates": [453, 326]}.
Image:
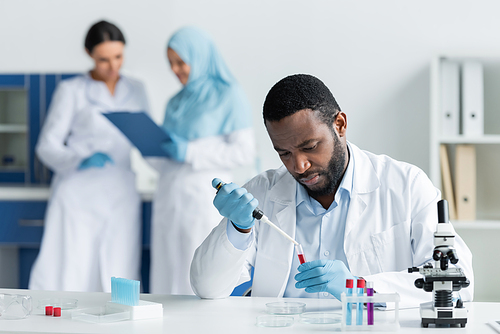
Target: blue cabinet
{"type": "Point", "coordinates": [24, 101]}
{"type": "Point", "coordinates": [21, 225]}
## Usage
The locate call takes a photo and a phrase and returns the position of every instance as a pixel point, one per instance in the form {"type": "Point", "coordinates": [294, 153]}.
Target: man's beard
{"type": "Point", "coordinates": [333, 173]}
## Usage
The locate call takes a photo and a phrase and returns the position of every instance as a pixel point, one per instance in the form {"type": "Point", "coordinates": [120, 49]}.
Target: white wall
{"type": "Point", "coordinates": [374, 55]}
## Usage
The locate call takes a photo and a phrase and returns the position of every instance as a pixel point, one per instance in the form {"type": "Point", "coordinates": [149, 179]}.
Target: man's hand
{"type": "Point", "coordinates": [236, 204]}
{"type": "Point", "coordinates": [323, 275]}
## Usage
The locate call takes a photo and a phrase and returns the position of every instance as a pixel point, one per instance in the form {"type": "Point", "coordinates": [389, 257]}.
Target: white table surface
{"type": "Point", "coordinates": [42, 193]}
{"type": "Point", "coordinates": [189, 314]}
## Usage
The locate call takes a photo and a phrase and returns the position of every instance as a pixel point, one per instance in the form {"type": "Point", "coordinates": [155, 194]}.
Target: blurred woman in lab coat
{"type": "Point", "coordinates": [209, 122]}
{"type": "Point", "coordinates": [92, 223]}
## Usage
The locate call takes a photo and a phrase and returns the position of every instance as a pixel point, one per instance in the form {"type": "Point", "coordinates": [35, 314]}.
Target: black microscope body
{"type": "Point", "coordinates": [442, 280]}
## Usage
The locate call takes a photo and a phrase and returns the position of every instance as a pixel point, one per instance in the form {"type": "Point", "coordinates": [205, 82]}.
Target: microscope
{"type": "Point", "coordinates": [442, 280]}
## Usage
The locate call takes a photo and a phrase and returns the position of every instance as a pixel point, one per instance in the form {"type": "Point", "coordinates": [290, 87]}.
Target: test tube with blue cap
{"type": "Point", "coordinates": [259, 215]}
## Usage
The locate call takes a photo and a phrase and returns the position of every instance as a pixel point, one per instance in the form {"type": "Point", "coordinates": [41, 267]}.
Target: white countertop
{"type": "Point", "coordinates": [42, 193]}
{"type": "Point", "coordinates": [189, 314]}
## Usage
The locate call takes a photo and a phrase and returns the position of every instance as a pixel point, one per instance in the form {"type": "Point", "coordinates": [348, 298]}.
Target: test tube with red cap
{"type": "Point", "coordinates": [349, 284]}
{"type": "Point", "coordinates": [361, 292]}
{"type": "Point", "coordinates": [300, 253]}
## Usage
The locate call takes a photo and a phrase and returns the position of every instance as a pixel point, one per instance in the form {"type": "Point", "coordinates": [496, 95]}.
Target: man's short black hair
{"type": "Point", "coordinates": [297, 92]}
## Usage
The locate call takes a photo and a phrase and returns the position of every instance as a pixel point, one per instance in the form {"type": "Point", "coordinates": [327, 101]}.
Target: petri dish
{"type": "Point", "coordinates": [320, 318]}
{"type": "Point", "coordinates": [285, 308]}
{"type": "Point", "coordinates": [100, 315]}
{"type": "Point", "coordinates": [63, 303]}
{"type": "Point", "coordinates": [270, 320]}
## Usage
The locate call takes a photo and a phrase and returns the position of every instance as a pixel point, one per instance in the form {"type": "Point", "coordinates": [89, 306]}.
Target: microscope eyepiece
{"type": "Point", "coordinates": [443, 215]}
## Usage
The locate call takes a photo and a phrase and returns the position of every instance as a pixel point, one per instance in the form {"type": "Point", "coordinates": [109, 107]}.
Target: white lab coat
{"type": "Point", "coordinates": [389, 228]}
{"type": "Point", "coordinates": [92, 224]}
{"type": "Point", "coordinates": [183, 213]}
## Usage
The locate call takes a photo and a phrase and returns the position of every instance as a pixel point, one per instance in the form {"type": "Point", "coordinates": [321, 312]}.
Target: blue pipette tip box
{"type": "Point", "coordinates": [125, 297]}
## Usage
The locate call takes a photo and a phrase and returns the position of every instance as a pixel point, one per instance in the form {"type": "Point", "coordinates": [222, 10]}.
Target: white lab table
{"type": "Point", "coordinates": [189, 314]}
{"type": "Point", "coordinates": [42, 193]}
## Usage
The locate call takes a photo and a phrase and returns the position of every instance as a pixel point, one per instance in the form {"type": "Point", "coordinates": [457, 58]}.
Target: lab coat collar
{"type": "Point", "coordinates": [365, 181]}
{"type": "Point", "coordinates": [283, 191]}
{"type": "Point", "coordinates": [283, 195]}
{"type": "Point", "coordinates": [98, 93]}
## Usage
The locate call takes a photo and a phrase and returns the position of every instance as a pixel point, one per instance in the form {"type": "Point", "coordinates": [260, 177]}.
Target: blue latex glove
{"type": "Point", "coordinates": [236, 204]}
{"type": "Point", "coordinates": [97, 160]}
{"type": "Point", "coordinates": [323, 275]}
{"type": "Point", "coordinates": [175, 147]}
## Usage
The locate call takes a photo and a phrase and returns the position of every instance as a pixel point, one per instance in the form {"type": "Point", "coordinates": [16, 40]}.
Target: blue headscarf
{"type": "Point", "coordinates": [211, 103]}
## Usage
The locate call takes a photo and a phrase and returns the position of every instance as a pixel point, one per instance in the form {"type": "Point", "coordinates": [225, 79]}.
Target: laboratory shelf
{"type": "Point", "coordinates": [13, 128]}
{"type": "Point", "coordinates": [484, 139]}
{"type": "Point", "coordinates": [24, 103]}
{"type": "Point", "coordinates": [476, 224]}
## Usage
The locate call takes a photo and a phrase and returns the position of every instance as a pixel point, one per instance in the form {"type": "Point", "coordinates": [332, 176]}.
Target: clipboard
{"type": "Point", "coordinates": [141, 130]}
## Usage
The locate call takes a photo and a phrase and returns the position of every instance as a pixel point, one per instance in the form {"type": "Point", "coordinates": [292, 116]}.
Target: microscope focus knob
{"type": "Point", "coordinates": [437, 255]}
{"type": "Point", "coordinates": [419, 283]}
{"type": "Point", "coordinates": [452, 255]}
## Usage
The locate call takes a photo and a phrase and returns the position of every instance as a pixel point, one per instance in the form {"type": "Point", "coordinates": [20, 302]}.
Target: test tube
{"type": "Point", "coordinates": [349, 283]}
{"type": "Point", "coordinates": [369, 306]}
{"type": "Point", "coordinates": [300, 253]}
{"type": "Point", "coordinates": [359, 311]}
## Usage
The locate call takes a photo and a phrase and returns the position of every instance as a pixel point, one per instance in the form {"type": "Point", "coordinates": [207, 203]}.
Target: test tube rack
{"type": "Point", "coordinates": [384, 321]}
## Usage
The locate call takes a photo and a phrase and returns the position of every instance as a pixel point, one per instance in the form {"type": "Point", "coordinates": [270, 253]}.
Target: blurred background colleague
{"type": "Point", "coordinates": [92, 225]}
{"type": "Point", "coordinates": [209, 122]}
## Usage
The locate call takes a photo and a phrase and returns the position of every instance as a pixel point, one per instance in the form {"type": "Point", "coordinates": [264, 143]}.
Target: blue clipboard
{"type": "Point", "coordinates": [141, 130]}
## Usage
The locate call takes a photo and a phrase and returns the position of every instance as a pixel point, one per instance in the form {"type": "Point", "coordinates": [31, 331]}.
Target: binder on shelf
{"type": "Point", "coordinates": [472, 98]}
{"type": "Point", "coordinates": [447, 182]}
{"type": "Point", "coordinates": [450, 98]}
{"type": "Point", "coordinates": [465, 181]}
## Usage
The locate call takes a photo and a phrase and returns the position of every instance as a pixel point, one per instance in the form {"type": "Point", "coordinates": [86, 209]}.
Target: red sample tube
{"type": "Point", "coordinates": [300, 253]}
{"type": "Point", "coordinates": [57, 311]}
{"type": "Point", "coordinates": [48, 310]}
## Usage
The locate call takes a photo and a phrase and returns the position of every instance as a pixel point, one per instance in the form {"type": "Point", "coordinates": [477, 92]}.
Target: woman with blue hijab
{"type": "Point", "coordinates": [209, 123]}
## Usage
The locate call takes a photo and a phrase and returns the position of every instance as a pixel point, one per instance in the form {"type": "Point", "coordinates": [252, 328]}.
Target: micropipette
{"type": "Point", "coordinates": [259, 215]}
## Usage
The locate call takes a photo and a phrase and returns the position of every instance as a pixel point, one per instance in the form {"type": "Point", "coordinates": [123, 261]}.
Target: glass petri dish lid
{"type": "Point", "coordinates": [320, 318]}
{"type": "Point", "coordinates": [271, 320]}
{"type": "Point", "coordinates": [63, 303]}
{"type": "Point", "coordinates": [99, 314]}
{"type": "Point", "coordinates": [285, 308]}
